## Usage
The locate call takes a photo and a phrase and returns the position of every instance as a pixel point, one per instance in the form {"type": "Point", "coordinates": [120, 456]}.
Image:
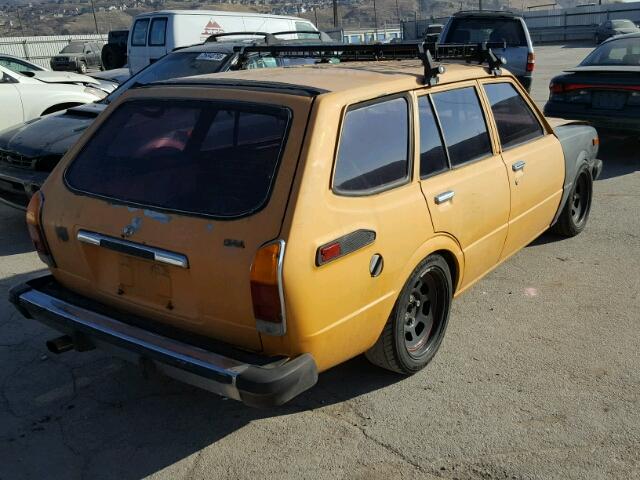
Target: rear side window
{"type": "Point", "coordinates": [158, 32]}
{"type": "Point", "coordinates": [515, 121]}
{"type": "Point", "coordinates": [208, 158]}
{"type": "Point", "coordinates": [305, 27]}
{"type": "Point", "coordinates": [433, 157]}
{"type": "Point", "coordinates": [486, 29]}
{"type": "Point", "coordinates": [374, 147]}
{"type": "Point", "coordinates": [139, 35]}
{"type": "Point", "coordinates": [463, 125]}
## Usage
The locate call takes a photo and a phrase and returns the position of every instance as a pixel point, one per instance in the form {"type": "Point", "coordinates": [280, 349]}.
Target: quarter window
{"type": "Point", "coordinates": [463, 125]}
{"type": "Point", "coordinates": [139, 36]}
{"type": "Point", "coordinates": [158, 32]}
{"type": "Point", "coordinates": [374, 147]}
{"type": "Point", "coordinates": [515, 121]}
{"type": "Point", "coordinates": [433, 157]}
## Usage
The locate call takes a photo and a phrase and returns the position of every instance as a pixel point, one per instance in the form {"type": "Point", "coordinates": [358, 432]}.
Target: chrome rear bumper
{"type": "Point", "coordinates": [264, 383]}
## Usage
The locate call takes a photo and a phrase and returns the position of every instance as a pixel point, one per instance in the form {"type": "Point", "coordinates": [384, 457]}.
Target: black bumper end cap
{"type": "Point", "coordinates": [265, 387]}
{"type": "Point", "coordinates": [14, 297]}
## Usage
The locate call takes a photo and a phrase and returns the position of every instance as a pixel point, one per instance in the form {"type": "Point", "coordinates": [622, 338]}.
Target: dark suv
{"type": "Point", "coordinates": [78, 56]}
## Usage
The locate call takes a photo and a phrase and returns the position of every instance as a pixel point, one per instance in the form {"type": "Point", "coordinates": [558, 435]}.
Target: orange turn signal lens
{"type": "Point", "coordinates": [266, 283]}
{"type": "Point", "coordinates": [595, 141]}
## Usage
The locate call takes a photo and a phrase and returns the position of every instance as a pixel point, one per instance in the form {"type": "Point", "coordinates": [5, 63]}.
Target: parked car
{"type": "Point", "coordinates": [19, 65]}
{"type": "Point", "coordinates": [114, 52]}
{"type": "Point", "coordinates": [155, 34]}
{"type": "Point", "coordinates": [496, 27]}
{"type": "Point", "coordinates": [30, 150]}
{"type": "Point", "coordinates": [26, 96]}
{"type": "Point", "coordinates": [246, 230]}
{"type": "Point", "coordinates": [78, 56]}
{"type": "Point", "coordinates": [611, 28]}
{"type": "Point", "coordinates": [30, 69]}
{"type": "Point", "coordinates": [603, 89]}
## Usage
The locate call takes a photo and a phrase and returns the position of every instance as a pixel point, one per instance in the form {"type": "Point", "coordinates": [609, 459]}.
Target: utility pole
{"type": "Point", "coordinates": [479, 4]}
{"type": "Point", "coordinates": [398, 11]}
{"type": "Point", "coordinates": [335, 13]}
{"type": "Point", "coordinates": [93, 9]}
{"type": "Point", "coordinates": [20, 21]}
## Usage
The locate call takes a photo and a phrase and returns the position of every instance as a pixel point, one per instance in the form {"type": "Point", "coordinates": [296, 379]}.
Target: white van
{"type": "Point", "coordinates": [155, 34]}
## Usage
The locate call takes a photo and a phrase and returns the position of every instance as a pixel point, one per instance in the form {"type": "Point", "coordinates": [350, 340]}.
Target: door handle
{"type": "Point", "coordinates": [518, 166]}
{"type": "Point", "coordinates": [444, 197]}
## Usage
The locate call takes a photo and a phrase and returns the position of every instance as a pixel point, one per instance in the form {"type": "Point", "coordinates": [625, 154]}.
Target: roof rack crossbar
{"type": "Point", "coordinates": [216, 36]}
{"type": "Point", "coordinates": [428, 52]}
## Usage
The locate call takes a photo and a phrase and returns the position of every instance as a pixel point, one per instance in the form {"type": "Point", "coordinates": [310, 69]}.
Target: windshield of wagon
{"type": "Point", "coordinates": [624, 51]}
{"type": "Point", "coordinates": [73, 48]}
{"type": "Point", "coordinates": [210, 158]}
{"type": "Point", "coordinates": [174, 65]}
{"type": "Point", "coordinates": [481, 29]}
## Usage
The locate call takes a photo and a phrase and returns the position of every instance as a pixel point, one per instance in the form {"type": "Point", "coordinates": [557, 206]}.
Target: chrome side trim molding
{"type": "Point", "coordinates": [132, 248]}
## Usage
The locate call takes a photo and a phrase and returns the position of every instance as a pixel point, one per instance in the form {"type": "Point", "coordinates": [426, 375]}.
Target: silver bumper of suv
{"type": "Point", "coordinates": [265, 383]}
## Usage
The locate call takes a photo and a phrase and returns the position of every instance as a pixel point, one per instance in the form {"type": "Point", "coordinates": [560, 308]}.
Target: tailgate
{"type": "Point", "coordinates": [169, 200]}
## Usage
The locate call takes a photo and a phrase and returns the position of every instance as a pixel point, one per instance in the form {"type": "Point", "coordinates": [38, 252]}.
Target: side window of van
{"type": "Point", "coordinates": [515, 121]}
{"type": "Point", "coordinates": [139, 35]}
{"type": "Point", "coordinates": [463, 125]}
{"type": "Point", "coordinates": [374, 148]}
{"type": "Point", "coordinates": [157, 34]}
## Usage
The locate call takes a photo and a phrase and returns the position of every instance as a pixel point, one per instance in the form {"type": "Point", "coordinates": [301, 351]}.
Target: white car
{"type": "Point", "coordinates": [26, 97]}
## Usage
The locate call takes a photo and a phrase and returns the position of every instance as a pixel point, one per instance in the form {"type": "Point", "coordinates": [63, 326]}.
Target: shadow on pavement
{"type": "Point", "coordinates": [619, 155]}
{"type": "Point", "coordinates": [87, 415]}
{"type": "Point", "coordinates": [14, 237]}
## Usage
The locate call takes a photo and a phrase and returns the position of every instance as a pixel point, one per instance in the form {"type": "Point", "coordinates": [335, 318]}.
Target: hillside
{"type": "Point", "coordinates": [55, 17]}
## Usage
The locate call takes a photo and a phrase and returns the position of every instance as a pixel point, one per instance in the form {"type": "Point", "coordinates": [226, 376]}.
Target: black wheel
{"type": "Point", "coordinates": [113, 56]}
{"type": "Point", "coordinates": [415, 329]}
{"type": "Point", "coordinates": [575, 213]}
{"type": "Point", "coordinates": [82, 67]}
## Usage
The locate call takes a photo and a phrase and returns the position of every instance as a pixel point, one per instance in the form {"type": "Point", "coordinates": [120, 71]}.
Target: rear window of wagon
{"type": "Point", "coordinates": [210, 158]}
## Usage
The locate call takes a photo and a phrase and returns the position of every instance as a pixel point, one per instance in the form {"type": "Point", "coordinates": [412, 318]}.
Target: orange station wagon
{"type": "Point", "coordinates": [244, 231]}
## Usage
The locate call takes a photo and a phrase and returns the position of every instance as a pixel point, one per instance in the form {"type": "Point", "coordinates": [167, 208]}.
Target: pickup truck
{"type": "Point", "coordinates": [247, 230]}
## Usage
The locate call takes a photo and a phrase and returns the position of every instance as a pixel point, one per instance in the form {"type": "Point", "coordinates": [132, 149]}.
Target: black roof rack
{"type": "Point", "coordinates": [267, 37]}
{"type": "Point", "coordinates": [428, 52]}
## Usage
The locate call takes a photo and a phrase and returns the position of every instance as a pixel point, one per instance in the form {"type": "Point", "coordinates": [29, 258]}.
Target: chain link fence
{"type": "Point", "coordinates": [39, 50]}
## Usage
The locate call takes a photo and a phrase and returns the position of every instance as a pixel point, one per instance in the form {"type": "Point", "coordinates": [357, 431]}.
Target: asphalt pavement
{"type": "Point", "coordinates": [537, 378]}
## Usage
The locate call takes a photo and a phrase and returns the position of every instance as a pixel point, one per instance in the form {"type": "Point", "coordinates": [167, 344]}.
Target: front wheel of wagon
{"type": "Point", "coordinates": [415, 329]}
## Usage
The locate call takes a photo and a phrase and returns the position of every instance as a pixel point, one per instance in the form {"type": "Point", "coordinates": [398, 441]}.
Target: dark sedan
{"type": "Point", "coordinates": [603, 89]}
{"type": "Point", "coordinates": [611, 28]}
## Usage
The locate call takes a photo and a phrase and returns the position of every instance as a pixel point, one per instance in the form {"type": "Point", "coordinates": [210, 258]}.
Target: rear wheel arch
{"type": "Point", "coordinates": [443, 245]}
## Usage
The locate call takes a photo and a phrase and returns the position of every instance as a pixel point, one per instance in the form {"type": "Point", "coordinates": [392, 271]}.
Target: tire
{"type": "Point", "coordinates": [575, 212]}
{"type": "Point", "coordinates": [113, 56]}
{"type": "Point", "coordinates": [82, 67]}
{"type": "Point", "coordinates": [417, 324]}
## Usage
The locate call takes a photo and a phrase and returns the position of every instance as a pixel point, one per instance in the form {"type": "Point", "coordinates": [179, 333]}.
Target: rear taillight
{"type": "Point", "coordinates": [36, 232]}
{"type": "Point", "coordinates": [267, 290]}
{"type": "Point", "coordinates": [556, 88]}
{"type": "Point", "coordinates": [531, 62]}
